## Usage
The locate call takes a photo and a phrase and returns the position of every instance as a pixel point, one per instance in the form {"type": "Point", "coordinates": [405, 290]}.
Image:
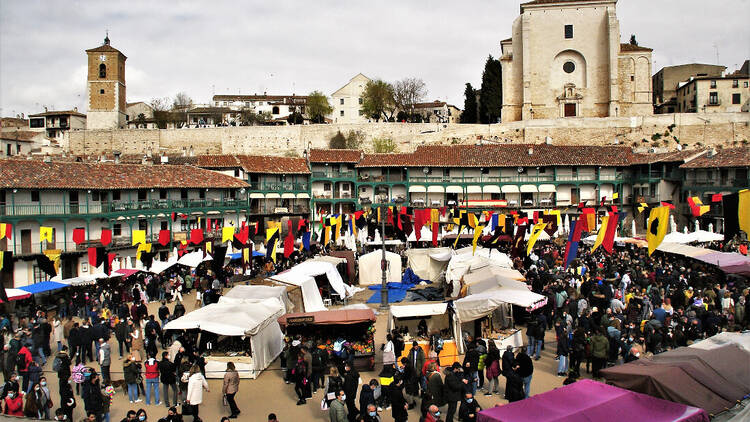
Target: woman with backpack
{"type": "Point", "coordinates": [334, 383]}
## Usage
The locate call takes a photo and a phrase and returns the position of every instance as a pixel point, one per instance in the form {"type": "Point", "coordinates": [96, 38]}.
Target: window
{"type": "Point", "coordinates": [568, 31]}
{"type": "Point", "coordinates": [39, 275]}
{"type": "Point", "coordinates": [736, 99]}
{"type": "Point", "coordinates": [8, 150]}
{"type": "Point", "coordinates": [226, 102]}
{"type": "Point", "coordinates": [142, 224]}
{"type": "Point", "coordinates": [735, 83]}
{"type": "Point", "coordinates": [713, 98]}
{"type": "Point", "coordinates": [216, 103]}
{"type": "Point", "coordinates": [632, 78]}
{"type": "Point", "coordinates": [162, 194]}
{"type": "Point", "coordinates": [183, 194]}
{"type": "Point", "coordinates": [361, 101]}
{"type": "Point", "coordinates": [18, 146]}
{"type": "Point", "coordinates": [341, 113]}
{"type": "Point", "coordinates": [713, 84]}
{"type": "Point", "coordinates": [40, 122]}
{"type": "Point", "coordinates": [236, 172]}
{"type": "Point", "coordinates": [569, 67]}
{"type": "Point", "coordinates": [95, 196]}
{"type": "Point", "coordinates": [102, 71]}
{"type": "Point", "coordinates": [115, 195]}
{"type": "Point", "coordinates": [202, 194]}
{"type": "Point", "coordinates": [142, 195]}
{"type": "Point", "coordinates": [247, 103]}
{"type": "Point", "coordinates": [485, 171]}
{"type": "Point", "coordinates": [35, 196]}
{"type": "Point", "coordinates": [275, 110]}
{"type": "Point", "coordinates": [327, 187]}
{"type": "Point", "coordinates": [746, 84]}
{"type": "Point", "coordinates": [341, 101]}
{"type": "Point", "coordinates": [101, 91]}
{"type": "Point", "coordinates": [164, 225]}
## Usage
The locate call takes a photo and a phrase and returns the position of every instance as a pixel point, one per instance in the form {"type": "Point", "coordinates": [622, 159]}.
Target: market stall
{"type": "Point", "coordinates": [428, 263]}
{"type": "Point", "coordinates": [325, 275]}
{"type": "Point", "coordinates": [588, 400]}
{"type": "Point", "coordinates": [254, 294]}
{"type": "Point", "coordinates": [301, 291]}
{"type": "Point", "coordinates": [425, 323]}
{"type": "Point", "coordinates": [249, 336]}
{"type": "Point", "coordinates": [370, 271]}
{"type": "Point", "coordinates": [334, 329]}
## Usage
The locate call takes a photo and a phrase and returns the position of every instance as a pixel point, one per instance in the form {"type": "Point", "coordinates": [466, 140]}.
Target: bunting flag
{"type": "Point", "coordinates": [106, 237]}
{"type": "Point", "coordinates": [6, 266]}
{"type": "Point", "coordinates": [289, 241]}
{"type": "Point", "coordinates": [92, 257]}
{"type": "Point", "coordinates": [182, 249]}
{"type": "Point", "coordinates": [147, 258]}
{"type": "Point", "coordinates": [535, 232]}
{"type": "Point", "coordinates": [717, 197]}
{"type": "Point", "coordinates": [209, 249]}
{"type": "Point", "coordinates": [327, 235]}
{"type": "Point", "coordinates": [108, 267]}
{"type": "Point", "coordinates": [173, 216]}
{"type": "Point", "coordinates": [743, 211]}
{"type": "Point", "coordinates": [696, 206]}
{"type": "Point", "coordinates": [142, 247]}
{"type": "Point", "coordinates": [139, 236]}
{"type": "Point", "coordinates": [49, 262]}
{"type": "Point", "coordinates": [571, 249]}
{"type": "Point", "coordinates": [217, 264]}
{"type": "Point", "coordinates": [658, 222]}
{"type": "Point", "coordinates": [615, 196]}
{"type": "Point", "coordinates": [477, 235]}
{"type": "Point", "coordinates": [245, 255]}
{"type": "Point", "coordinates": [196, 236]}
{"type": "Point", "coordinates": [337, 228]}
{"type": "Point", "coordinates": [517, 246]}
{"type": "Point", "coordinates": [551, 221]}
{"type": "Point", "coordinates": [101, 254]}
{"type": "Point", "coordinates": [609, 236]}
{"type": "Point", "coordinates": [602, 232]}
{"type": "Point", "coordinates": [495, 221]}
{"type": "Point", "coordinates": [420, 217]}
{"type": "Point", "coordinates": [589, 218]}
{"type": "Point", "coordinates": [731, 206]}
{"type": "Point", "coordinates": [164, 237]}
{"type": "Point", "coordinates": [45, 233]}
{"type": "Point", "coordinates": [79, 235]}
{"type": "Point", "coordinates": [435, 220]}
{"type": "Point", "coordinates": [272, 238]}
{"type": "Point", "coordinates": [242, 236]}
{"type": "Point", "coordinates": [227, 233]}
{"type": "Point", "coordinates": [6, 230]}
{"type": "Point", "coordinates": [668, 205]}
{"type": "Point", "coordinates": [642, 206]}
{"type": "Point", "coordinates": [306, 240]}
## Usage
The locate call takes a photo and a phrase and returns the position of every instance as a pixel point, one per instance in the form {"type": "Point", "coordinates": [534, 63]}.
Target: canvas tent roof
{"type": "Point", "coordinates": [603, 403]}
{"type": "Point", "coordinates": [255, 294]}
{"type": "Point", "coordinates": [427, 263]}
{"type": "Point", "coordinates": [193, 259]}
{"type": "Point", "coordinates": [419, 310]}
{"type": "Point", "coordinates": [710, 379]}
{"type": "Point", "coordinates": [229, 319]}
{"type": "Point", "coordinates": [740, 339]}
{"type": "Point", "coordinates": [369, 267]}
{"type": "Point", "coordinates": [310, 269]}
{"type": "Point", "coordinates": [310, 293]}
{"type": "Point", "coordinates": [476, 306]}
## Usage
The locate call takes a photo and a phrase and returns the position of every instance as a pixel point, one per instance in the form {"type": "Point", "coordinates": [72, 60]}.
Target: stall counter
{"type": "Point", "coordinates": [216, 366]}
{"type": "Point", "coordinates": [515, 339]}
{"type": "Point", "coordinates": [447, 356]}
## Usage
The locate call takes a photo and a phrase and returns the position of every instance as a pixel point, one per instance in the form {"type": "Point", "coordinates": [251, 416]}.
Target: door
{"type": "Point", "coordinates": [26, 241]}
{"type": "Point", "coordinates": [570, 110]}
{"type": "Point", "coordinates": [73, 196]}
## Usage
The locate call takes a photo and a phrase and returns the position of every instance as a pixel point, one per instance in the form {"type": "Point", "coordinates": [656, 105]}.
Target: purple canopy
{"type": "Point", "coordinates": [588, 400]}
{"type": "Point", "coordinates": [729, 262]}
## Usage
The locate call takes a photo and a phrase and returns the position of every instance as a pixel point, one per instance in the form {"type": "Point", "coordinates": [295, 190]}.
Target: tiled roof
{"type": "Point", "coordinates": [627, 47]}
{"type": "Point", "coordinates": [198, 110]}
{"type": "Point", "coordinates": [273, 165]}
{"type": "Point", "coordinates": [13, 122]}
{"type": "Point", "coordinates": [208, 161]}
{"type": "Point", "coordinates": [104, 48]}
{"type": "Point", "coordinates": [33, 174]}
{"type": "Point", "coordinates": [727, 157]}
{"type": "Point", "coordinates": [510, 155]}
{"type": "Point", "coordinates": [20, 135]}
{"type": "Point", "coordinates": [433, 104]}
{"type": "Point", "coordinates": [335, 155]}
{"type": "Point", "coordinates": [57, 113]}
{"type": "Point", "coordinates": [284, 99]}
{"type": "Point", "coordinates": [665, 157]}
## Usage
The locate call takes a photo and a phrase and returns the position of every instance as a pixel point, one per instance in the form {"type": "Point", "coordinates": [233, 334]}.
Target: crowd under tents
{"type": "Point", "coordinates": [437, 318]}
{"type": "Point", "coordinates": [258, 322]}
{"type": "Point", "coordinates": [711, 379]}
{"type": "Point", "coordinates": [370, 271]}
{"type": "Point", "coordinates": [729, 262]}
{"type": "Point", "coordinates": [588, 400]}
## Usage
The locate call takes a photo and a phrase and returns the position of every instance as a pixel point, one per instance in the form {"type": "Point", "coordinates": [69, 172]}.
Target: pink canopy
{"type": "Point", "coordinates": [588, 400]}
{"type": "Point", "coordinates": [126, 272]}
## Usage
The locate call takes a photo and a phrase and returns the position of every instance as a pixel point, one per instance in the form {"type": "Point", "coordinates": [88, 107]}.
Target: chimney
{"type": "Point", "coordinates": [191, 152]}
{"type": "Point", "coordinates": [548, 140]}
{"type": "Point", "coordinates": [184, 152]}
{"type": "Point", "coordinates": [45, 109]}
{"type": "Point", "coordinates": [117, 156]}
{"type": "Point", "coordinates": [145, 159]}
{"type": "Point", "coordinates": [531, 150]}
{"type": "Point", "coordinates": [47, 158]}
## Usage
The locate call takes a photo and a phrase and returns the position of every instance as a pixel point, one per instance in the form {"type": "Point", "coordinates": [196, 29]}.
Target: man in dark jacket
{"type": "Point", "coordinates": [507, 359]}
{"type": "Point", "coordinates": [435, 385]}
{"type": "Point", "coordinates": [351, 382]}
{"type": "Point", "coordinates": [469, 409]}
{"type": "Point", "coordinates": [453, 387]}
{"type": "Point", "coordinates": [168, 378]}
{"type": "Point", "coordinates": [319, 359]}
{"type": "Point", "coordinates": [514, 385]}
{"type": "Point", "coordinates": [86, 334]}
{"type": "Point", "coordinates": [411, 382]}
{"type": "Point", "coordinates": [416, 357]}
{"type": "Point", "coordinates": [471, 366]}
{"type": "Point", "coordinates": [63, 372]}
{"type": "Point", "coordinates": [525, 370]}
{"type": "Point", "coordinates": [398, 403]}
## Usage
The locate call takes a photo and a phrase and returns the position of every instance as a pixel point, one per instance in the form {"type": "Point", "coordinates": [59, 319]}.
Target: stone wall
{"type": "Point", "coordinates": [708, 129]}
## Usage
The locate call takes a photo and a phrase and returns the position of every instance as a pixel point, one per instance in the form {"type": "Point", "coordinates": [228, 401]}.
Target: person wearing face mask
{"type": "Point", "coordinates": [370, 415]}
{"type": "Point", "coordinates": [45, 395]}
{"type": "Point", "coordinates": [469, 408]}
{"type": "Point", "coordinates": [337, 412]}
{"type": "Point", "coordinates": [433, 414]}
{"type": "Point", "coordinates": [141, 416]}
{"type": "Point", "coordinates": [13, 404]}
{"type": "Point", "coordinates": [11, 385]}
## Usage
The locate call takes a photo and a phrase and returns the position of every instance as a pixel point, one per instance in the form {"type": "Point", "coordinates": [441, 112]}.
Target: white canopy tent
{"type": "Point", "coordinates": [310, 293]}
{"type": "Point", "coordinates": [476, 306]}
{"type": "Point", "coordinates": [258, 321]}
{"type": "Point", "coordinates": [427, 263]}
{"type": "Point", "coordinates": [311, 268]}
{"type": "Point", "coordinates": [193, 259]}
{"type": "Point", "coordinates": [369, 268]}
{"type": "Point", "coordinates": [740, 339]}
{"type": "Point", "coordinates": [255, 294]}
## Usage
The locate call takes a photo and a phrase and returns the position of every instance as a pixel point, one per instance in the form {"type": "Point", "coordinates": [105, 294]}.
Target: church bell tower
{"type": "Point", "coordinates": [105, 87]}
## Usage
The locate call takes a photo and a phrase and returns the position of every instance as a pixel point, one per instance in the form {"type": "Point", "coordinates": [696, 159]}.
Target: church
{"type": "Point", "coordinates": [105, 87]}
{"type": "Point", "coordinates": [565, 59]}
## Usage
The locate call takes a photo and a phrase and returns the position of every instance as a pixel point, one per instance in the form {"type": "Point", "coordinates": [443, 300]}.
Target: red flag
{"type": "Point", "coordinates": [243, 235]}
{"type": "Point", "coordinates": [163, 237]}
{"type": "Point", "coordinates": [609, 235]}
{"type": "Point", "coordinates": [79, 236]}
{"type": "Point", "coordinates": [92, 257]}
{"type": "Point", "coordinates": [209, 225]}
{"type": "Point", "coordinates": [303, 223]}
{"type": "Point", "coordinates": [289, 241]}
{"type": "Point", "coordinates": [174, 216]}
{"type": "Point", "coordinates": [578, 230]}
{"type": "Point", "coordinates": [106, 237]}
{"type": "Point", "coordinates": [419, 219]}
{"type": "Point", "coordinates": [717, 197]}
{"type": "Point", "coordinates": [110, 258]}
{"type": "Point", "coordinates": [196, 236]}
{"type": "Point", "coordinates": [667, 204]}
{"type": "Point", "coordinates": [7, 231]}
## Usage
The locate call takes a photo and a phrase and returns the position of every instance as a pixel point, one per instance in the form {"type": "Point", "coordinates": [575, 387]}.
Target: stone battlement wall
{"type": "Point", "coordinates": [728, 129]}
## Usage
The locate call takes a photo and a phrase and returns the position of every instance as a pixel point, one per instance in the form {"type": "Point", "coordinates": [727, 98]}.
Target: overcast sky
{"type": "Point", "coordinates": [284, 47]}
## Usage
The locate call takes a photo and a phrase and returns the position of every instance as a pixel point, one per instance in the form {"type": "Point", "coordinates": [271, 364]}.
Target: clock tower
{"type": "Point", "coordinates": [105, 87]}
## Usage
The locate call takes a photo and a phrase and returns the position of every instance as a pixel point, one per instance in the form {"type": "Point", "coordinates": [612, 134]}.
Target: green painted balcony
{"type": "Point", "coordinates": [333, 174]}
{"type": "Point", "coordinates": [279, 186]}
{"type": "Point", "coordinates": [120, 207]}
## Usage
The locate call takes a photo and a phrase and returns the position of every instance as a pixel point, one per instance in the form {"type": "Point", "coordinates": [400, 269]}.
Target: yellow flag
{"type": "Point", "coordinates": [434, 216]}
{"type": "Point", "coordinates": [143, 247]}
{"type": "Point", "coordinates": [139, 236]}
{"type": "Point", "coordinates": [658, 221]}
{"type": "Point", "coordinates": [535, 232]}
{"type": "Point", "coordinates": [743, 209]}
{"type": "Point", "coordinates": [477, 234]}
{"type": "Point", "coordinates": [615, 195]}
{"type": "Point", "coordinates": [2, 231]}
{"type": "Point", "coordinates": [45, 233]}
{"type": "Point", "coordinates": [555, 213]}
{"type": "Point", "coordinates": [245, 255]}
{"type": "Point", "coordinates": [472, 220]}
{"type": "Point", "coordinates": [602, 231]}
{"type": "Point", "coordinates": [327, 235]}
{"type": "Point", "coordinates": [227, 234]}
{"type": "Point", "coordinates": [54, 256]}
{"type": "Point", "coordinates": [337, 231]}
{"type": "Point", "coordinates": [209, 247]}
{"type": "Point", "coordinates": [2, 258]}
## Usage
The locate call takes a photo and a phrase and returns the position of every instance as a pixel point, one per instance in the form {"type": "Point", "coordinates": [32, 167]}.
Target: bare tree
{"type": "Point", "coordinates": [407, 92]}
{"type": "Point", "coordinates": [182, 101]}
{"type": "Point", "coordinates": [161, 104]}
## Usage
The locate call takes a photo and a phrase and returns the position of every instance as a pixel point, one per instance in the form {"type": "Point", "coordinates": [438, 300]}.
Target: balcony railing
{"type": "Point", "coordinates": [382, 178]}
{"type": "Point", "coordinates": [336, 174]}
{"type": "Point", "coordinates": [718, 182]}
{"type": "Point", "coordinates": [279, 186]}
{"type": "Point", "coordinates": [115, 207]}
{"type": "Point", "coordinates": [331, 195]}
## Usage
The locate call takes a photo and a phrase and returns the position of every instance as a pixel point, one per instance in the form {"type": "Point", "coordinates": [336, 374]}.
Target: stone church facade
{"type": "Point", "coordinates": [565, 59]}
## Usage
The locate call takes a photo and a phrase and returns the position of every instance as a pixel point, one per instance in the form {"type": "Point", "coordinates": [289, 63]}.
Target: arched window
{"type": "Point", "coordinates": [275, 110]}
{"type": "Point", "coordinates": [102, 70]}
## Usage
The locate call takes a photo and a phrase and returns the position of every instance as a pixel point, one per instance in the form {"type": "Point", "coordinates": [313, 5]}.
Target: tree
{"type": "Point", "coordinates": [407, 92]}
{"type": "Point", "coordinates": [355, 139]}
{"type": "Point", "coordinates": [162, 116]}
{"type": "Point", "coordinates": [633, 41]}
{"type": "Point", "coordinates": [182, 101]}
{"type": "Point", "coordinates": [338, 141]}
{"type": "Point", "coordinates": [491, 99]}
{"type": "Point", "coordinates": [318, 107]}
{"type": "Point", "coordinates": [377, 100]}
{"type": "Point", "coordinates": [295, 118]}
{"type": "Point", "coordinates": [470, 105]}
{"type": "Point", "coordinates": [251, 118]}
{"type": "Point", "coordinates": [383, 145]}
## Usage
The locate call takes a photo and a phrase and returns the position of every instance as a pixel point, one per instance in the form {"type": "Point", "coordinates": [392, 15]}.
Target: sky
{"type": "Point", "coordinates": [284, 47]}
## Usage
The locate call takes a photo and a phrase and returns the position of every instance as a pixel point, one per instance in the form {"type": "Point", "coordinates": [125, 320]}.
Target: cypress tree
{"type": "Point", "coordinates": [491, 98]}
{"type": "Point", "coordinates": [470, 105]}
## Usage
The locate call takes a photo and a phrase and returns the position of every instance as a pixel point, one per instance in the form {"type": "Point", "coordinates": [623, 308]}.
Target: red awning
{"type": "Point", "coordinates": [16, 294]}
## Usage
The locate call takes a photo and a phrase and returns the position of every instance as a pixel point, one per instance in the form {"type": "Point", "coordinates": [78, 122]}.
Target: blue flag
{"type": "Point", "coordinates": [306, 240]}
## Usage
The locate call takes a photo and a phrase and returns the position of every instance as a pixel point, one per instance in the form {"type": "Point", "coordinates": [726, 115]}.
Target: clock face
{"type": "Point", "coordinates": [103, 58]}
